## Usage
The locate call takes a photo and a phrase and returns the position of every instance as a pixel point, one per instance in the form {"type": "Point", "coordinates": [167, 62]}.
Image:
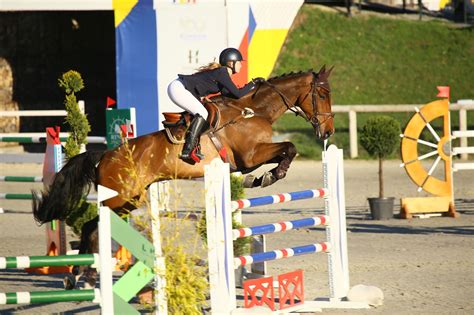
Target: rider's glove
{"type": "Point", "coordinates": [258, 80]}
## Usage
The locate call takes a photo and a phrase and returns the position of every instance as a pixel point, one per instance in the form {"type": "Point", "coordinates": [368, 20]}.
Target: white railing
{"type": "Point", "coordinates": [462, 106]}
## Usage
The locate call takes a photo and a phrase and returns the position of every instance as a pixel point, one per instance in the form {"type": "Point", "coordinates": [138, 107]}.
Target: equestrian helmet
{"type": "Point", "coordinates": [230, 54]}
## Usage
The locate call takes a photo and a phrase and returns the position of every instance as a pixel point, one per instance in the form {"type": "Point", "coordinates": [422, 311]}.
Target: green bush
{"type": "Point", "coordinates": [72, 83]}
{"type": "Point", "coordinates": [236, 187]}
{"type": "Point", "coordinates": [82, 214]}
{"type": "Point", "coordinates": [379, 137]}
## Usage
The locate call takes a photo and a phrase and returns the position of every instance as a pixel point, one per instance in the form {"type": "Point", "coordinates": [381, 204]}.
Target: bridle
{"type": "Point", "coordinates": [314, 118]}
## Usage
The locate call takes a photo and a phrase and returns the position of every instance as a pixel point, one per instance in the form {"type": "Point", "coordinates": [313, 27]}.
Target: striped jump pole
{"type": "Point", "coordinates": [281, 253]}
{"type": "Point", "coordinates": [220, 234]}
{"type": "Point", "coordinates": [23, 179]}
{"type": "Point", "coordinates": [21, 262]}
{"type": "Point", "coordinates": [279, 198]}
{"type": "Point", "coordinates": [280, 226]}
{"type": "Point", "coordinates": [15, 196]}
{"type": "Point", "coordinates": [92, 139]}
{"type": "Point", "coordinates": [50, 296]}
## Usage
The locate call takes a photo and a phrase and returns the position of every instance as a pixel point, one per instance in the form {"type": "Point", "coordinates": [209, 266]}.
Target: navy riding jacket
{"type": "Point", "coordinates": [213, 81]}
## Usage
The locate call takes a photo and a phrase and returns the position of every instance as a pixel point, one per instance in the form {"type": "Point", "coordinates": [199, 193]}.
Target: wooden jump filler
{"type": "Point", "coordinates": [442, 200]}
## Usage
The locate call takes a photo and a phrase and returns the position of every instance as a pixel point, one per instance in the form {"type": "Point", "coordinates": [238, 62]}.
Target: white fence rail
{"type": "Point", "coordinates": [462, 106]}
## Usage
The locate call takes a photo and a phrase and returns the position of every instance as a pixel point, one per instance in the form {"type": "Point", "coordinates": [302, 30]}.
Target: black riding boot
{"type": "Point", "coordinates": [191, 150]}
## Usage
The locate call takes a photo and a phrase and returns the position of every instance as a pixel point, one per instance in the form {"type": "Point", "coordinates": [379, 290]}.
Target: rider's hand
{"type": "Point", "coordinates": [258, 80]}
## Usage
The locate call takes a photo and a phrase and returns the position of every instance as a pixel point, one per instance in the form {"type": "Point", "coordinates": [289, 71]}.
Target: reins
{"type": "Point", "coordinates": [298, 111]}
{"type": "Point", "coordinates": [313, 119]}
{"type": "Point", "coordinates": [244, 113]}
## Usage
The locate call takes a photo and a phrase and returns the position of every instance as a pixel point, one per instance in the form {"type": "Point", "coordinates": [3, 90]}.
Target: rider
{"type": "Point", "coordinates": [187, 90]}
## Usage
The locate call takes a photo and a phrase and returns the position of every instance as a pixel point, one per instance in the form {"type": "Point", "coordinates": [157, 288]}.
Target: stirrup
{"type": "Point", "coordinates": [196, 154]}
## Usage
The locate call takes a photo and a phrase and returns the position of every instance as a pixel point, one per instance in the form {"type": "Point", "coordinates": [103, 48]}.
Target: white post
{"type": "Point", "coordinates": [335, 208]}
{"type": "Point", "coordinates": [463, 127]}
{"type": "Point", "coordinates": [82, 108]}
{"type": "Point", "coordinates": [105, 250]}
{"type": "Point", "coordinates": [353, 134]}
{"type": "Point", "coordinates": [163, 196]}
{"type": "Point", "coordinates": [161, 302]}
{"type": "Point", "coordinates": [219, 238]}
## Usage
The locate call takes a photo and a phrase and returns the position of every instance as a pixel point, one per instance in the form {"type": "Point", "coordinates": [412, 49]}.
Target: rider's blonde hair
{"type": "Point", "coordinates": [210, 66]}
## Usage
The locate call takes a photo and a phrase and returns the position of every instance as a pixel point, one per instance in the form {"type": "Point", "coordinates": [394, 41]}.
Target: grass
{"type": "Point", "coordinates": [377, 60]}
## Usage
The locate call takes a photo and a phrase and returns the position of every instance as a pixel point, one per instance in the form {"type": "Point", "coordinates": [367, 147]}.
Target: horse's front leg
{"type": "Point", "coordinates": [282, 153]}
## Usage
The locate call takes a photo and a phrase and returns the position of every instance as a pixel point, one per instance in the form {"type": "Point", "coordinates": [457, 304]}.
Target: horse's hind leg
{"type": "Point", "coordinates": [282, 153]}
{"type": "Point", "coordinates": [88, 245]}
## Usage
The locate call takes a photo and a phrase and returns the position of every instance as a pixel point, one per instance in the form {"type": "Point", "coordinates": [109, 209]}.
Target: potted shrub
{"type": "Point", "coordinates": [380, 136]}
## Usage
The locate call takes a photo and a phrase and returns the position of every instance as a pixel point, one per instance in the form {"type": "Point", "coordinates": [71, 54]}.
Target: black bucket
{"type": "Point", "coordinates": [381, 208]}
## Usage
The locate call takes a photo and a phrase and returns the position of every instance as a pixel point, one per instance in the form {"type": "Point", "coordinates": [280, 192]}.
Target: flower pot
{"type": "Point", "coordinates": [381, 208]}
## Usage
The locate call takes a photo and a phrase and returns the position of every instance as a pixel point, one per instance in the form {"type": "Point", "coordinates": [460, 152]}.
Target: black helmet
{"type": "Point", "coordinates": [229, 54]}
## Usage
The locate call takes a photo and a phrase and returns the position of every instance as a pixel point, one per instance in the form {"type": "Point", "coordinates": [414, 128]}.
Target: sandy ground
{"type": "Point", "coordinates": [423, 266]}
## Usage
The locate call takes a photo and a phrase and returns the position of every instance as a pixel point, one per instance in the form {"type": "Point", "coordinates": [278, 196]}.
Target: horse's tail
{"type": "Point", "coordinates": [69, 187]}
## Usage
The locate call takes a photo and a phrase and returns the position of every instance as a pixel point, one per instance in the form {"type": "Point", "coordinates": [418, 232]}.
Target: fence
{"type": "Point", "coordinates": [462, 106]}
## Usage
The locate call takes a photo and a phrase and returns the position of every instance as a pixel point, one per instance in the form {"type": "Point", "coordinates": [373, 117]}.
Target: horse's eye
{"type": "Point", "coordinates": [322, 97]}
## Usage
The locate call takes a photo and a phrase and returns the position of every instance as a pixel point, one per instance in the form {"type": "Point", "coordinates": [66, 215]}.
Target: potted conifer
{"type": "Point", "coordinates": [380, 136]}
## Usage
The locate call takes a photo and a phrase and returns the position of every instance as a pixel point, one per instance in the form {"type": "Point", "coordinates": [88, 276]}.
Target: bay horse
{"type": "Point", "coordinates": [248, 142]}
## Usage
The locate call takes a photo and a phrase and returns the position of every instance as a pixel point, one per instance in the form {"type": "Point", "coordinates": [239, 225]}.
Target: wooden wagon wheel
{"type": "Point", "coordinates": [442, 188]}
{"type": "Point", "coordinates": [442, 149]}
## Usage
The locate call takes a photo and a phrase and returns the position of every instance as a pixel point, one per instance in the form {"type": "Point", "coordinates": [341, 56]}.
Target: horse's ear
{"type": "Point", "coordinates": [329, 71]}
{"type": "Point", "coordinates": [322, 70]}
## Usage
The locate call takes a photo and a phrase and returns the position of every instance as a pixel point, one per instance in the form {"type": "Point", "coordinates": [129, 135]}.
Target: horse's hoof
{"type": "Point", "coordinates": [268, 179]}
{"type": "Point", "coordinates": [248, 181]}
{"type": "Point", "coordinates": [69, 282]}
{"type": "Point", "coordinates": [88, 286]}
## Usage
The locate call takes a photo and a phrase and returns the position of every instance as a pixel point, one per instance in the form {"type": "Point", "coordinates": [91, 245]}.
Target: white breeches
{"type": "Point", "coordinates": [184, 99]}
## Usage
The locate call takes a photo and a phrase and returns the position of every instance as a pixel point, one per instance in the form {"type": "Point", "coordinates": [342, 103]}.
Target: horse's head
{"type": "Point", "coordinates": [306, 94]}
{"type": "Point", "coordinates": [316, 105]}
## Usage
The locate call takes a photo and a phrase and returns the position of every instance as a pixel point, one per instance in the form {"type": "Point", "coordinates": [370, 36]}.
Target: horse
{"type": "Point", "coordinates": [244, 130]}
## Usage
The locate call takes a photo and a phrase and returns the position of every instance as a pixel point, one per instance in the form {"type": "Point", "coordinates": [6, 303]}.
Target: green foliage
{"type": "Point", "coordinates": [380, 136]}
{"type": "Point", "coordinates": [186, 283]}
{"type": "Point", "coordinates": [236, 187]}
{"type": "Point", "coordinates": [84, 213]}
{"type": "Point", "coordinates": [72, 83]}
{"type": "Point", "coordinates": [380, 60]}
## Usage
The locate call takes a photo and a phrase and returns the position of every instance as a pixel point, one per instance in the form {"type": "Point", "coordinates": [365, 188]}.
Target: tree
{"type": "Point", "coordinates": [380, 135]}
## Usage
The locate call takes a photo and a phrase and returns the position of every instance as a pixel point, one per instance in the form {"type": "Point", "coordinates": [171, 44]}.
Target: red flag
{"type": "Point", "coordinates": [110, 102]}
{"type": "Point", "coordinates": [443, 91]}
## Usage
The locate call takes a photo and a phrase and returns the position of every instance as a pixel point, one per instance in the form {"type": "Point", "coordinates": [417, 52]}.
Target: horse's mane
{"type": "Point", "coordinates": [322, 75]}
{"type": "Point", "coordinates": [290, 75]}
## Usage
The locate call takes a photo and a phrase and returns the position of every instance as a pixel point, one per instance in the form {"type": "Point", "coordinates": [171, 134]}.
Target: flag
{"type": "Point", "coordinates": [110, 102]}
{"type": "Point", "coordinates": [443, 91]}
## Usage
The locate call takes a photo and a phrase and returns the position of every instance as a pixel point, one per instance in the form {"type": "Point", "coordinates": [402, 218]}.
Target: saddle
{"type": "Point", "coordinates": [176, 125]}
{"type": "Point", "coordinates": [183, 119]}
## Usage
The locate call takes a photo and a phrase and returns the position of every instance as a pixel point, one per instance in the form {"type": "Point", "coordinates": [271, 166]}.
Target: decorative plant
{"type": "Point", "coordinates": [379, 137]}
{"type": "Point", "coordinates": [72, 83]}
